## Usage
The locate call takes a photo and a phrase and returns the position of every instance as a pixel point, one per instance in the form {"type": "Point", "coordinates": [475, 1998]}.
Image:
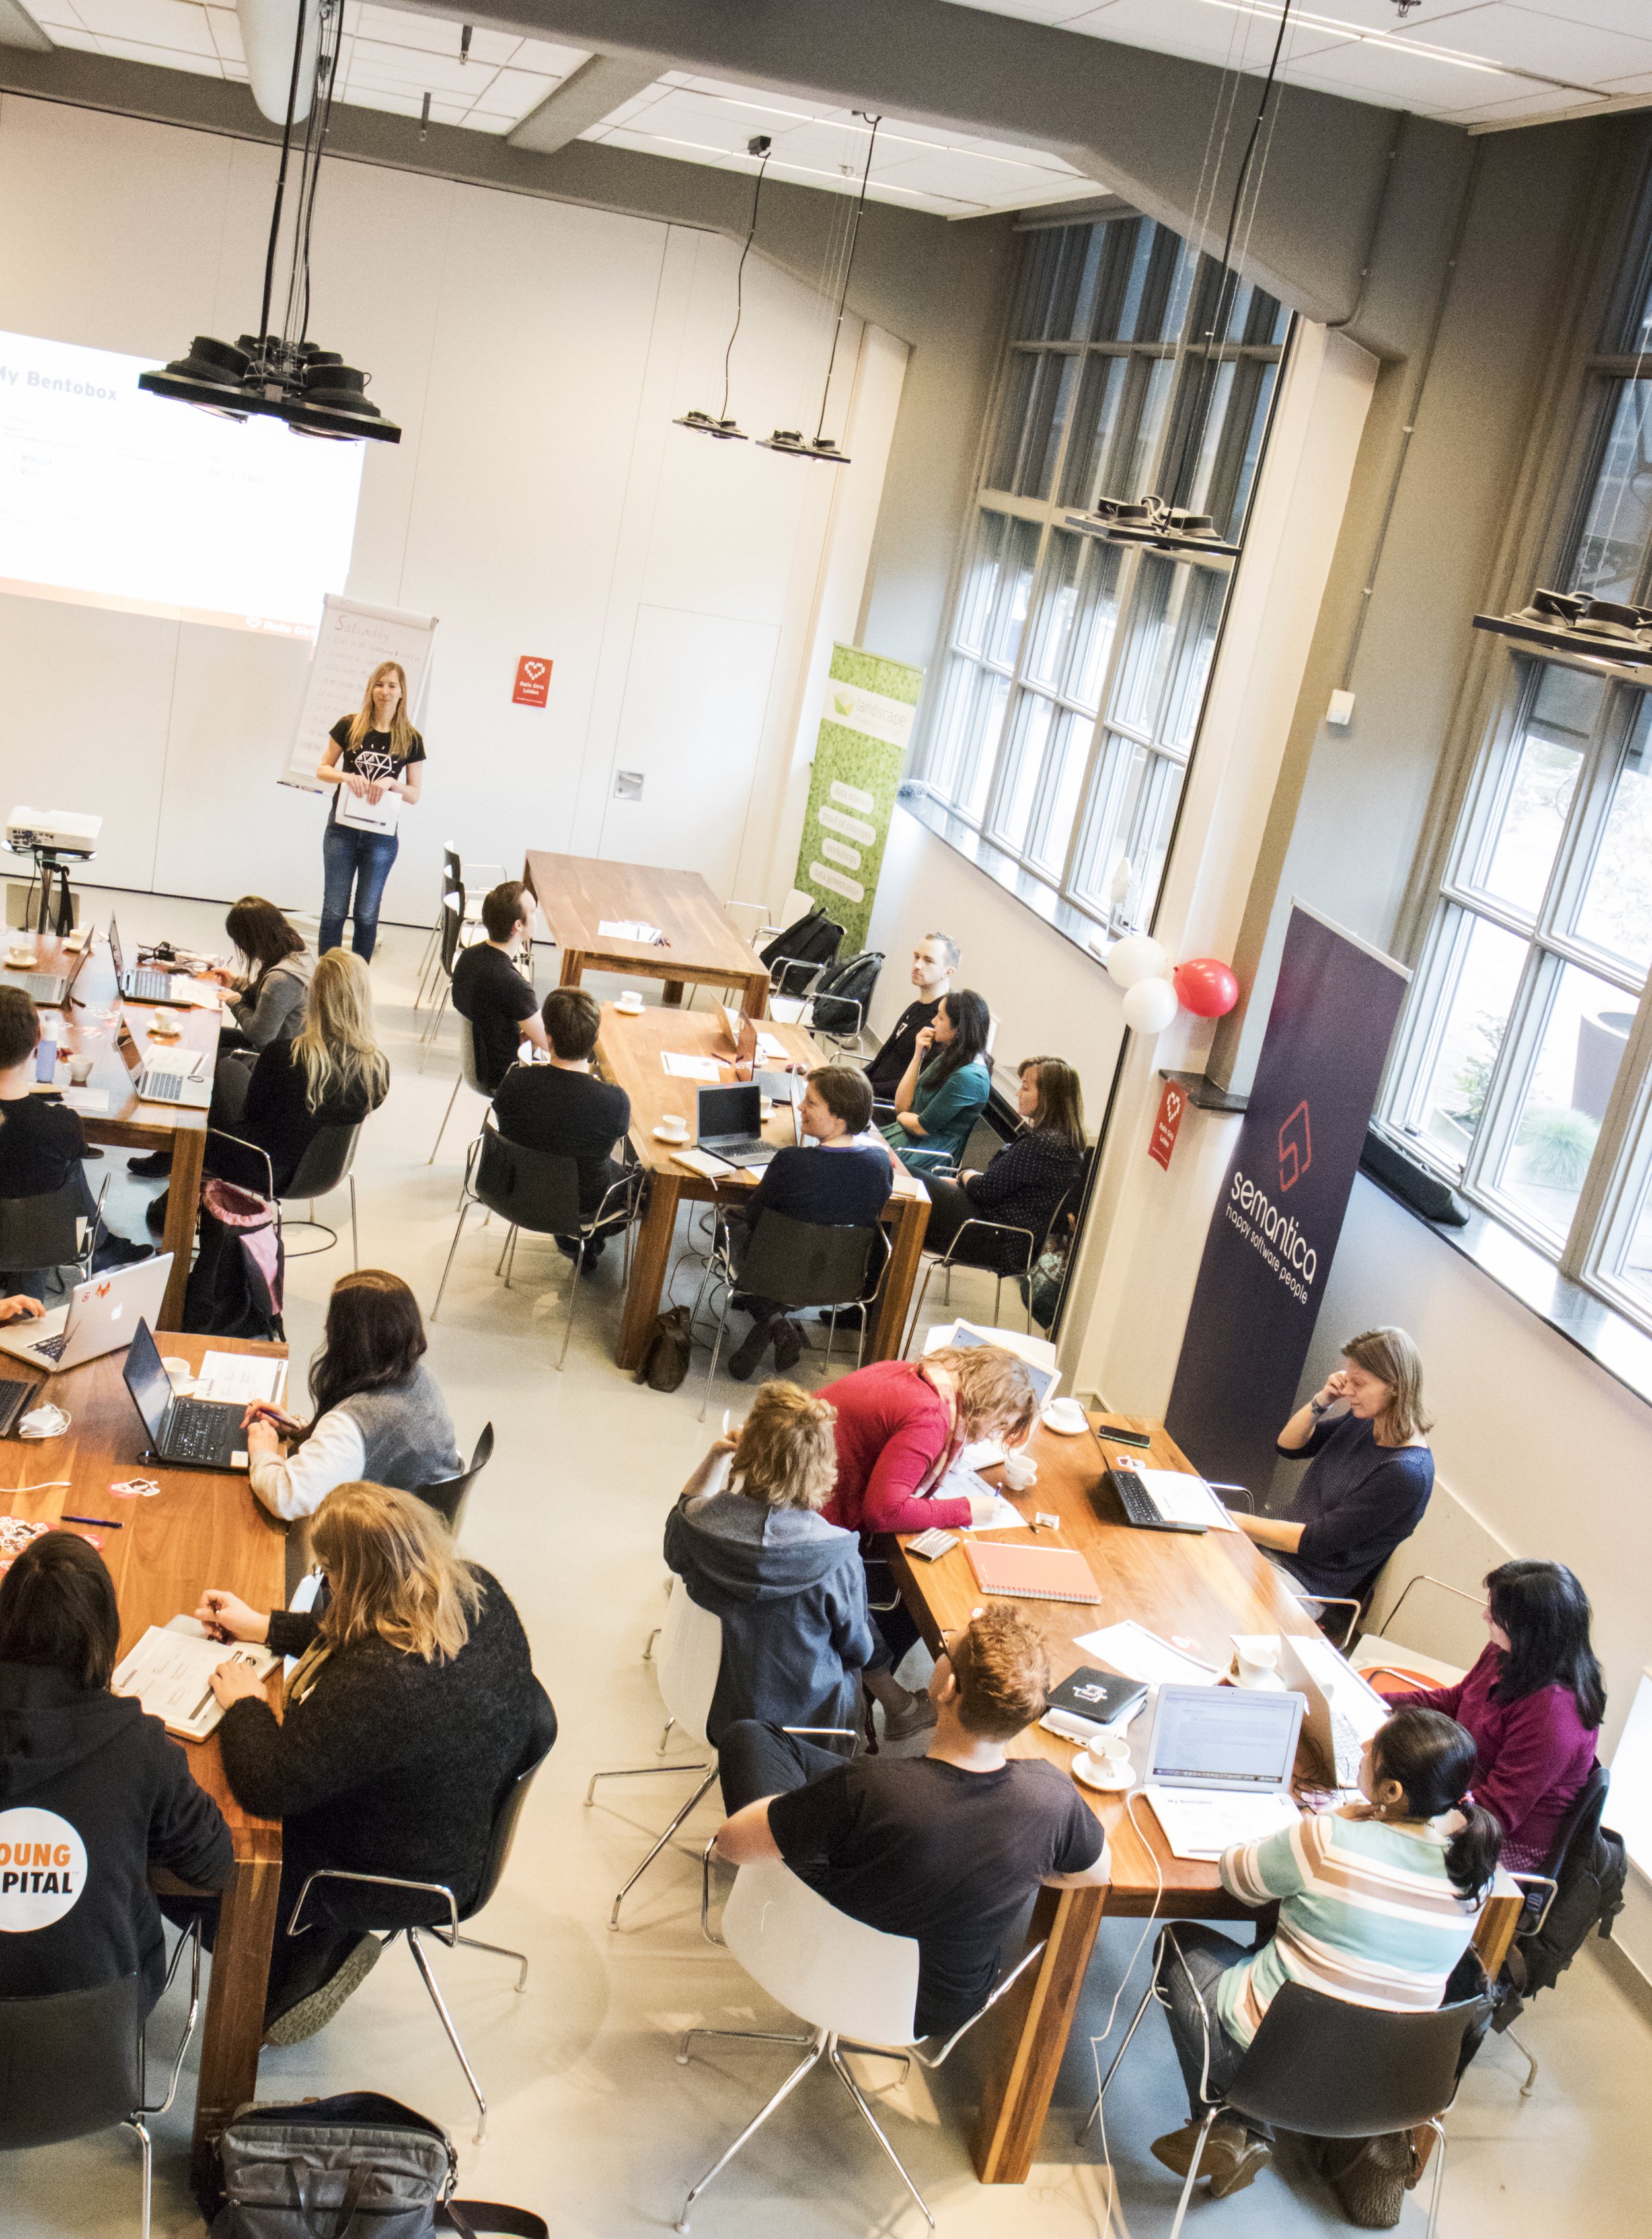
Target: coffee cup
{"type": "Point", "coordinates": [1020, 1469]}
{"type": "Point", "coordinates": [166, 1020]}
{"type": "Point", "coordinates": [1259, 1663]}
{"type": "Point", "coordinates": [179, 1373]}
{"type": "Point", "coordinates": [21, 959]}
{"type": "Point", "coordinates": [1065, 1415]}
{"type": "Point", "coordinates": [629, 1001]}
{"type": "Point", "coordinates": [80, 1070]}
{"type": "Point", "coordinates": [673, 1126]}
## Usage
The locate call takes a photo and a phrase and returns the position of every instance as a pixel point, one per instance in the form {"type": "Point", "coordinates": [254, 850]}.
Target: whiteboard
{"type": "Point", "coordinates": [353, 640]}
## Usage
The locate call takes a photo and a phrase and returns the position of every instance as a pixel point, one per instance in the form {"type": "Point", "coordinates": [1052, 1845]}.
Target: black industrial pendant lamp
{"type": "Point", "coordinates": [286, 376]}
{"type": "Point", "coordinates": [820, 446]}
{"type": "Point", "coordinates": [718, 424]}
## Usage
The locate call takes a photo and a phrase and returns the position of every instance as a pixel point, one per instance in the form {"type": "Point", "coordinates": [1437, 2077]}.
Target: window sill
{"type": "Point", "coordinates": [1610, 1339]}
{"type": "Point", "coordinates": [996, 863]}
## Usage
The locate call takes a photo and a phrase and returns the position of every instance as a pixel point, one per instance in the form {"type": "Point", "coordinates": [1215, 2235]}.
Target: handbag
{"type": "Point", "coordinates": [355, 2166]}
{"type": "Point", "coordinates": [1371, 2176]}
{"type": "Point", "coordinates": [666, 1355]}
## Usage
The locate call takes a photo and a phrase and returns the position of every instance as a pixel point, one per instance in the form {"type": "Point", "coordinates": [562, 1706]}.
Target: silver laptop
{"type": "Point", "coordinates": [143, 984]}
{"type": "Point", "coordinates": [1219, 1766]}
{"type": "Point", "coordinates": [1343, 1711]}
{"type": "Point", "coordinates": [180, 1076]}
{"type": "Point", "coordinates": [49, 989]}
{"type": "Point", "coordinates": [100, 1316]}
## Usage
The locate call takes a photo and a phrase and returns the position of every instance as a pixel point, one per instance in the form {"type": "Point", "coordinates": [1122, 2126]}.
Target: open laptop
{"type": "Point", "coordinates": [101, 1314]}
{"type": "Point", "coordinates": [175, 1076]}
{"type": "Point", "coordinates": [48, 988]}
{"type": "Point", "coordinates": [729, 1124]}
{"type": "Point", "coordinates": [191, 1433]}
{"type": "Point", "coordinates": [142, 984]}
{"type": "Point", "coordinates": [1343, 1711]}
{"type": "Point", "coordinates": [1219, 1766]}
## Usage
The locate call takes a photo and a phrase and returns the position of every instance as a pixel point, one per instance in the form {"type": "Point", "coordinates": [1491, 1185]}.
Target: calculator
{"type": "Point", "coordinates": [933, 1543]}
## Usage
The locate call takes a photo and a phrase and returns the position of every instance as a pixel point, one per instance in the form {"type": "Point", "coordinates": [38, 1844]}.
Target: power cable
{"type": "Point", "coordinates": [848, 267]}
{"type": "Point", "coordinates": [768, 146]}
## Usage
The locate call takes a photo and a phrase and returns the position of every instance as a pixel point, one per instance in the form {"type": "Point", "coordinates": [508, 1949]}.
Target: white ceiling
{"type": "Point", "coordinates": [1469, 61]}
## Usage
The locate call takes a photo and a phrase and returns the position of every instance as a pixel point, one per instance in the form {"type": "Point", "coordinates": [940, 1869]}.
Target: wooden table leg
{"type": "Point", "coordinates": [234, 2023]}
{"type": "Point", "coordinates": [894, 1300]}
{"type": "Point", "coordinates": [1029, 2029]}
{"type": "Point", "coordinates": [573, 967]}
{"type": "Point", "coordinates": [1494, 1930]}
{"type": "Point", "coordinates": [183, 1204]}
{"type": "Point", "coordinates": [673, 991]}
{"type": "Point", "coordinates": [648, 1265]}
{"type": "Point", "coordinates": [755, 1000]}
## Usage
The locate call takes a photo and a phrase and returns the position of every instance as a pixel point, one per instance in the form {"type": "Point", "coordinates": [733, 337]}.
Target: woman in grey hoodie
{"type": "Point", "coordinates": [750, 1545]}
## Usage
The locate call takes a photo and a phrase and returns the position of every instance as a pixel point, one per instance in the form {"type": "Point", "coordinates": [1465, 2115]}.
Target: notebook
{"type": "Point", "coordinates": [1089, 1699]}
{"type": "Point", "coordinates": [1033, 1574]}
{"type": "Point", "coordinates": [170, 1672]}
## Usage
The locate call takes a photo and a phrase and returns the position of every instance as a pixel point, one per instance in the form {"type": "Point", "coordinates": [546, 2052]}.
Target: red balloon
{"type": "Point", "coordinates": [1206, 986]}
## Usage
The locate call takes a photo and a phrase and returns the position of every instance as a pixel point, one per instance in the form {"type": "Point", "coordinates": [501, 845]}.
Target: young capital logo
{"type": "Point", "coordinates": [1295, 1148]}
{"type": "Point", "coordinates": [43, 1868]}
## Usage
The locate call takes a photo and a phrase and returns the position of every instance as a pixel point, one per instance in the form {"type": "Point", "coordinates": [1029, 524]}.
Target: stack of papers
{"type": "Point", "coordinates": [1203, 1823]}
{"type": "Point", "coordinates": [632, 928]}
{"type": "Point", "coordinates": [240, 1377]}
{"type": "Point", "coordinates": [1131, 1649]}
{"type": "Point", "coordinates": [681, 1067]}
{"type": "Point", "coordinates": [1181, 1498]}
{"type": "Point", "coordinates": [170, 1672]}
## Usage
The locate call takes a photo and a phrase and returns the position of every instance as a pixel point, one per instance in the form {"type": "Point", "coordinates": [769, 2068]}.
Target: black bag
{"type": "Point", "coordinates": [668, 1351]}
{"type": "Point", "coordinates": [228, 1293]}
{"type": "Point", "coordinates": [1589, 1894]}
{"type": "Point", "coordinates": [843, 994]}
{"type": "Point", "coordinates": [806, 944]}
{"type": "Point", "coordinates": [355, 2166]}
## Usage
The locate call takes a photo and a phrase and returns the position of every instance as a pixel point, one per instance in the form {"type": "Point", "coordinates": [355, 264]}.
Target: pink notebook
{"type": "Point", "coordinates": [1036, 1574]}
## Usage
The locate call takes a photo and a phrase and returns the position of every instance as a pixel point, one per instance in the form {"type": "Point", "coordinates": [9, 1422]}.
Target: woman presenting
{"type": "Point", "coordinates": [371, 754]}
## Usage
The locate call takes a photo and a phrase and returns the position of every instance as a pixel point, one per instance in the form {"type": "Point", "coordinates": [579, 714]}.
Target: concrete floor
{"type": "Point", "coordinates": [591, 2122]}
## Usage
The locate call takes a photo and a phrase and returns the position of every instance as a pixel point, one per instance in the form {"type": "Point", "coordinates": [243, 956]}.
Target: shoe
{"type": "Point", "coordinates": [788, 1347]}
{"type": "Point", "coordinates": [742, 1362]}
{"type": "Point", "coordinates": [314, 2010]}
{"type": "Point", "coordinates": [917, 1719]}
{"type": "Point", "coordinates": [154, 1212]}
{"type": "Point", "coordinates": [849, 1317]}
{"type": "Point", "coordinates": [119, 1252]}
{"type": "Point", "coordinates": [154, 1168]}
{"type": "Point", "coordinates": [1233, 2157]}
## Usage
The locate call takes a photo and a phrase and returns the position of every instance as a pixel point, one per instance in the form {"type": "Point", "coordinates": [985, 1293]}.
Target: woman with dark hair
{"type": "Point", "coordinates": [378, 1412]}
{"type": "Point", "coordinates": [1022, 1184]}
{"type": "Point", "coordinates": [1377, 1903]}
{"type": "Point", "coordinates": [1533, 1706]}
{"type": "Point", "coordinates": [944, 1090]}
{"type": "Point", "coordinates": [267, 998]}
{"type": "Point", "coordinates": [92, 1793]}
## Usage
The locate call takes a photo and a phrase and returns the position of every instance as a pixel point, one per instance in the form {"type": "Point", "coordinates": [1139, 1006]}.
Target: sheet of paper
{"type": "Point", "coordinates": [92, 1101]}
{"type": "Point", "coordinates": [632, 928]}
{"type": "Point", "coordinates": [681, 1067]}
{"type": "Point", "coordinates": [170, 1673]}
{"type": "Point", "coordinates": [1183, 1498]}
{"type": "Point", "coordinates": [240, 1378]}
{"type": "Point", "coordinates": [772, 1049]}
{"type": "Point", "coordinates": [1131, 1649]}
{"type": "Point", "coordinates": [1202, 1824]}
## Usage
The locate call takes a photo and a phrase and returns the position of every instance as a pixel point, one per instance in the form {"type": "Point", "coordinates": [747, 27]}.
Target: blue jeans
{"type": "Point", "coordinates": [362, 859]}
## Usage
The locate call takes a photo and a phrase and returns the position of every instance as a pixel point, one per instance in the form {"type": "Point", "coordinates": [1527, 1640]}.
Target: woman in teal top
{"type": "Point", "coordinates": [945, 1088]}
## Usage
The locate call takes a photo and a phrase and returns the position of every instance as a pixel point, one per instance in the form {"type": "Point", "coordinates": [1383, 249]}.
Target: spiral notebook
{"type": "Point", "coordinates": [1033, 1574]}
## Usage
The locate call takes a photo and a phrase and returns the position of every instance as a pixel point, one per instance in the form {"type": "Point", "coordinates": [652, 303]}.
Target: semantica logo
{"type": "Point", "coordinates": [1295, 1148]}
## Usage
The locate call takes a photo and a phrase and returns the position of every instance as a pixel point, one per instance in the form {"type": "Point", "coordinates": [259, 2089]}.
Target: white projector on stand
{"type": "Point", "coordinates": [52, 832]}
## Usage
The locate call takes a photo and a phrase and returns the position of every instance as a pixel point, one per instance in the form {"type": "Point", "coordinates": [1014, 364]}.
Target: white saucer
{"type": "Point", "coordinates": [1270, 1684]}
{"type": "Point", "coordinates": [684, 1142]}
{"type": "Point", "coordinates": [1064, 1430]}
{"type": "Point", "coordinates": [631, 1010]}
{"type": "Point", "coordinates": [1112, 1787]}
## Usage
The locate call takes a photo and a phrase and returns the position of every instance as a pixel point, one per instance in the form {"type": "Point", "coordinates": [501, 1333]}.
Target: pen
{"type": "Point", "coordinates": [105, 1523]}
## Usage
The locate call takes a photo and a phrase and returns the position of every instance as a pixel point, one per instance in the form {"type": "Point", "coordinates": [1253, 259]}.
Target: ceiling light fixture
{"type": "Point", "coordinates": [718, 424]}
{"type": "Point", "coordinates": [821, 446]}
{"type": "Point", "coordinates": [285, 376]}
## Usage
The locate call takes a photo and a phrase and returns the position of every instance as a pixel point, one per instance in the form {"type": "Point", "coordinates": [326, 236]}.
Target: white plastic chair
{"type": "Point", "coordinates": [855, 1986]}
{"type": "Point", "coordinates": [467, 1075]}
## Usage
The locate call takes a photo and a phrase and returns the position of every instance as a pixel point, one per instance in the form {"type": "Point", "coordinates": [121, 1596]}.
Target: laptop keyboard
{"type": "Point", "coordinates": [14, 1395]}
{"type": "Point", "coordinates": [201, 1430]}
{"type": "Point", "coordinates": [149, 986]}
{"type": "Point", "coordinates": [1350, 1748]}
{"type": "Point", "coordinates": [39, 986]}
{"type": "Point", "coordinates": [158, 1087]}
{"type": "Point", "coordinates": [1137, 1502]}
{"type": "Point", "coordinates": [51, 1348]}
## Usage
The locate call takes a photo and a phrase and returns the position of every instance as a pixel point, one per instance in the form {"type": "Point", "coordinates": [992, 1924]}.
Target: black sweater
{"type": "Point", "coordinates": [1024, 1183]}
{"type": "Point", "coordinates": [389, 1764]}
{"type": "Point", "coordinates": [277, 1118]}
{"type": "Point", "coordinates": [98, 1794]}
{"type": "Point", "coordinates": [41, 1144]}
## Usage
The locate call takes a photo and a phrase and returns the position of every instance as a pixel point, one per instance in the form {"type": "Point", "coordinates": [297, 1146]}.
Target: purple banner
{"type": "Point", "coordinates": [1275, 1228]}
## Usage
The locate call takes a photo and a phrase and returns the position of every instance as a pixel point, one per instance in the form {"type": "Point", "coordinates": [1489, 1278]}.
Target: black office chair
{"type": "Point", "coordinates": [449, 1496]}
{"type": "Point", "coordinates": [1327, 2068]}
{"type": "Point", "coordinates": [538, 1191]}
{"type": "Point", "coordinates": [324, 1167]}
{"type": "Point", "coordinates": [1014, 1248]}
{"type": "Point", "coordinates": [40, 1235]}
{"type": "Point", "coordinates": [75, 2062]}
{"type": "Point", "coordinates": [506, 1813]}
{"type": "Point", "coordinates": [797, 1263]}
{"type": "Point", "coordinates": [1579, 1829]}
{"type": "Point", "coordinates": [452, 940]}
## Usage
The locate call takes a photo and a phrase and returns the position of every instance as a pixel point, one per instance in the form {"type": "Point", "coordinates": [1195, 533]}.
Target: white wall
{"type": "Point", "coordinates": [541, 501]}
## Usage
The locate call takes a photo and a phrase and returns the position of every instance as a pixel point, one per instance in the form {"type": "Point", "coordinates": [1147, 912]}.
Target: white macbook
{"type": "Point", "coordinates": [1343, 1711]}
{"type": "Point", "coordinates": [101, 1315]}
{"type": "Point", "coordinates": [180, 1076]}
{"type": "Point", "coordinates": [1219, 1766]}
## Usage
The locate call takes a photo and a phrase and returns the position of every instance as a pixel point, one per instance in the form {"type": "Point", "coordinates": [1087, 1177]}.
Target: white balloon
{"type": "Point", "coordinates": [1149, 1005]}
{"type": "Point", "coordinates": [1137, 956]}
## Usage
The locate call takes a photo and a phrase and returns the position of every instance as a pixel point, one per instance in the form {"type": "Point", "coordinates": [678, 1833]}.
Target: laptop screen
{"type": "Point", "coordinates": [736, 1110]}
{"type": "Point", "coordinates": [1225, 1737]}
{"type": "Point", "coordinates": [115, 955]}
{"type": "Point", "coordinates": [147, 1381]}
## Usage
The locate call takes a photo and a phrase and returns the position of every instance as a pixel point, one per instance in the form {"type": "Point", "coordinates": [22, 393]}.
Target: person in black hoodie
{"type": "Point", "coordinates": [746, 1539]}
{"type": "Point", "coordinates": [407, 1715]}
{"type": "Point", "coordinates": [92, 1793]}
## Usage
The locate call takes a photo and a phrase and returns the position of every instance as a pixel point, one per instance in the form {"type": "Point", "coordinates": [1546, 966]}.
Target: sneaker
{"type": "Point", "coordinates": [742, 1362]}
{"type": "Point", "coordinates": [154, 1212]}
{"type": "Point", "coordinates": [917, 1719]}
{"type": "Point", "coordinates": [1233, 2157]}
{"type": "Point", "coordinates": [314, 2012]}
{"type": "Point", "coordinates": [154, 1168]}
{"type": "Point", "coordinates": [849, 1317]}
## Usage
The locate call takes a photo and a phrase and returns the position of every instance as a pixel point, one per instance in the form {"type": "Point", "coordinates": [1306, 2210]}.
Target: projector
{"type": "Point", "coordinates": [53, 832]}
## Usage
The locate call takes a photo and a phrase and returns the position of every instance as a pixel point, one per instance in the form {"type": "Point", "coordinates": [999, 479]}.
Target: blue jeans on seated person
{"type": "Point", "coordinates": [1189, 1961]}
{"type": "Point", "coordinates": [362, 859]}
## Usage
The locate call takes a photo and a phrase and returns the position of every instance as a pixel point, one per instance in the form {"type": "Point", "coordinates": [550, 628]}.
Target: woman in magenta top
{"type": "Point", "coordinates": [900, 1426]}
{"type": "Point", "coordinates": [1533, 1704]}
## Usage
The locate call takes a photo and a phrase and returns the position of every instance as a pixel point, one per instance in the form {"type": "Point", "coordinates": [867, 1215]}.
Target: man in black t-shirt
{"type": "Point", "coordinates": [946, 1848]}
{"type": "Point", "coordinates": [934, 961]}
{"type": "Point", "coordinates": [43, 1144]}
{"type": "Point", "coordinates": [563, 1107]}
{"type": "Point", "coordinates": [491, 993]}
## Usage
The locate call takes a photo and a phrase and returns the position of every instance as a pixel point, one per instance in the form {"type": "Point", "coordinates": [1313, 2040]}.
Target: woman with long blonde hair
{"type": "Point", "coordinates": [412, 1706]}
{"type": "Point", "coordinates": [331, 1073]}
{"type": "Point", "coordinates": [375, 763]}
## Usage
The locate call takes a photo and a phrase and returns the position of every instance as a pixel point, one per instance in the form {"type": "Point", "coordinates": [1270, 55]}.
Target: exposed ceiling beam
{"type": "Point", "coordinates": [19, 28]}
{"type": "Point", "coordinates": [601, 84]}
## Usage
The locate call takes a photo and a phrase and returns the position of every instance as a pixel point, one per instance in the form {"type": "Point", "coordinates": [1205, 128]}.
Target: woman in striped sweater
{"type": "Point", "coordinates": [1377, 1903]}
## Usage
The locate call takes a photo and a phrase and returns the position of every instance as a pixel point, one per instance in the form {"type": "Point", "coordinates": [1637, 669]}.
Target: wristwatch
{"type": "Point", "coordinates": [1318, 1407]}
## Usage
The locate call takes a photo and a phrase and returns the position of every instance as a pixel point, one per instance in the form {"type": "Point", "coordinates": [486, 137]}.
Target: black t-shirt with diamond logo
{"type": "Point", "coordinates": [374, 758]}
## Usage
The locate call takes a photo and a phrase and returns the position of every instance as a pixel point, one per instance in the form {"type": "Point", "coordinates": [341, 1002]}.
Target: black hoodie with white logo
{"type": "Point", "coordinates": [92, 1794]}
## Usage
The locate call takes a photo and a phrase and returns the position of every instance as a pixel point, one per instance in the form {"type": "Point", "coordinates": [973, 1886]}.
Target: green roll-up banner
{"type": "Point", "coordinates": [864, 730]}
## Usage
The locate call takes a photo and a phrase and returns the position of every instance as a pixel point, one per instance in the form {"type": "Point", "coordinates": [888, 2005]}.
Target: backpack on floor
{"type": "Point", "coordinates": [236, 1285]}
{"type": "Point", "coordinates": [667, 1352]}
{"type": "Point", "coordinates": [351, 2166]}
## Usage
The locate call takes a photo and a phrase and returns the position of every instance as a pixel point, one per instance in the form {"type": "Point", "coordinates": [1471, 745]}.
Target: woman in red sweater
{"type": "Point", "coordinates": [1533, 1704]}
{"type": "Point", "coordinates": [900, 1426]}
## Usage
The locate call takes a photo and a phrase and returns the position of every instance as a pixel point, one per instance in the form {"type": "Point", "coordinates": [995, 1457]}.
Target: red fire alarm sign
{"type": "Point", "coordinates": [1172, 1104]}
{"type": "Point", "coordinates": [532, 681]}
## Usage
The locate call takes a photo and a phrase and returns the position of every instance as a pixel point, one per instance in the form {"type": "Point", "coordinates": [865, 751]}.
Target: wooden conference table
{"type": "Point", "coordinates": [630, 1050]}
{"type": "Point", "coordinates": [579, 894]}
{"type": "Point", "coordinates": [90, 1025]}
{"type": "Point", "coordinates": [1194, 1590]}
{"type": "Point", "coordinates": [203, 1529]}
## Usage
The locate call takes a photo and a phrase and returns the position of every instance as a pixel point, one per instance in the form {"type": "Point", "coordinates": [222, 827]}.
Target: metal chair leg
{"type": "Point", "coordinates": [740, 2036]}
{"type": "Point", "coordinates": [816, 2051]}
{"type": "Point", "coordinates": [452, 1248]}
{"type": "Point", "coordinates": [499, 1951]}
{"type": "Point", "coordinates": [835, 2055]}
{"type": "Point", "coordinates": [458, 1083]}
{"type": "Point", "coordinates": [134, 2123]}
{"type": "Point", "coordinates": [716, 1347]}
{"type": "Point", "coordinates": [1439, 2128]}
{"type": "Point", "coordinates": [1531, 2059]}
{"type": "Point", "coordinates": [930, 1266]}
{"type": "Point", "coordinates": [831, 1333]}
{"type": "Point", "coordinates": [355, 1247]}
{"type": "Point", "coordinates": [1136, 2023]}
{"type": "Point", "coordinates": [440, 2003]}
{"type": "Point", "coordinates": [613, 1917]}
{"type": "Point", "coordinates": [706, 1858]}
{"type": "Point", "coordinates": [1192, 2178]}
{"type": "Point", "coordinates": [648, 1645]}
{"type": "Point", "coordinates": [631, 1772]}
{"type": "Point", "coordinates": [575, 1276]}
{"type": "Point", "coordinates": [434, 1027]}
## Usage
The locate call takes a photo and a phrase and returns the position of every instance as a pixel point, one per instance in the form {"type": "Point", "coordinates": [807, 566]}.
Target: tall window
{"type": "Point", "coordinates": [1525, 1066]}
{"type": "Point", "coordinates": [1070, 696]}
